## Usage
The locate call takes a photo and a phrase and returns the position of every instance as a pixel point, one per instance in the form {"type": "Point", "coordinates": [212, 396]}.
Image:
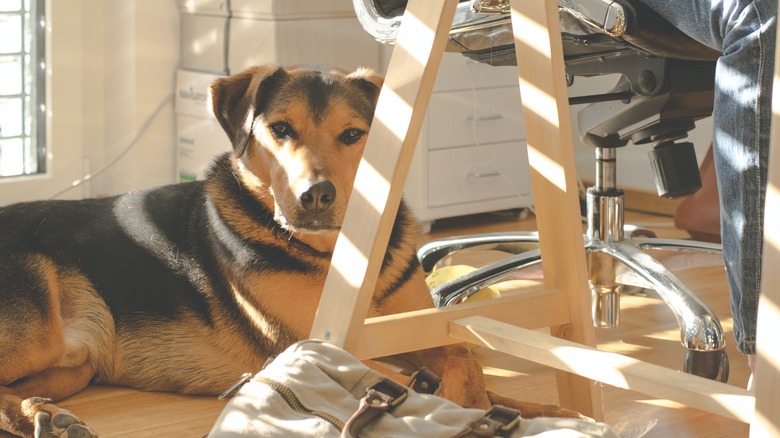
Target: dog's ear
{"type": "Point", "coordinates": [234, 100]}
{"type": "Point", "coordinates": [368, 81]}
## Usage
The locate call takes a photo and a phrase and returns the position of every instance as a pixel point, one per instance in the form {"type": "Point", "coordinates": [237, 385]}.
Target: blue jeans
{"type": "Point", "coordinates": [744, 31]}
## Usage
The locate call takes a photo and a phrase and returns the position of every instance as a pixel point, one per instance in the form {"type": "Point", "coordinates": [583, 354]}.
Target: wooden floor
{"type": "Point", "coordinates": [648, 332]}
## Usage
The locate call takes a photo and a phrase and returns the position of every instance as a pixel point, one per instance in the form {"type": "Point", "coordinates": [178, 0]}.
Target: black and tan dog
{"type": "Point", "coordinates": [182, 288]}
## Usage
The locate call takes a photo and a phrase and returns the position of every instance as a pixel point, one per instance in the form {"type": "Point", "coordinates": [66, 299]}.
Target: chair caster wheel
{"type": "Point", "coordinates": [713, 365]}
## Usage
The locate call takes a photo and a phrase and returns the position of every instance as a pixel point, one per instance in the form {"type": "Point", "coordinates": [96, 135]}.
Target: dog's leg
{"type": "Point", "coordinates": [533, 410]}
{"type": "Point", "coordinates": [463, 382]}
{"type": "Point", "coordinates": [461, 375]}
{"type": "Point", "coordinates": [52, 325]}
{"type": "Point", "coordinates": [27, 409]}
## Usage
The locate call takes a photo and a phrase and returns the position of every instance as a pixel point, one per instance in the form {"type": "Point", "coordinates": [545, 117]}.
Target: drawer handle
{"type": "Point", "coordinates": [478, 175]}
{"type": "Point", "coordinates": [473, 118]}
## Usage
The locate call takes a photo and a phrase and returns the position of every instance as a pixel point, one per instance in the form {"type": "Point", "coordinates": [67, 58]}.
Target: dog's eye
{"type": "Point", "coordinates": [351, 136]}
{"type": "Point", "coordinates": [281, 130]}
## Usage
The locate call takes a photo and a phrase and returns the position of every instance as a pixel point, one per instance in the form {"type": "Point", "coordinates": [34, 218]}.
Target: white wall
{"type": "Point", "coordinates": [65, 55]}
{"type": "Point", "coordinates": [110, 63]}
{"type": "Point", "coordinates": [136, 51]}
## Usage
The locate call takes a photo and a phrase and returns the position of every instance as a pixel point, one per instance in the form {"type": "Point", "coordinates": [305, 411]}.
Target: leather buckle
{"type": "Point", "coordinates": [498, 421]}
{"type": "Point", "coordinates": [382, 396]}
{"type": "Point", "coordinates": [425, 381]}
{"type": "Point", "coordinates": [509, 418]}
{"type": "Point", "coordinates": [386, 391]}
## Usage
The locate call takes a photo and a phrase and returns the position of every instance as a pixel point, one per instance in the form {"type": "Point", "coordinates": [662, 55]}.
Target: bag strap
{"type": "Point", "coordinates": [381, 397]}
{"type": "Point", "coordinates": [425, 381]}
{"type": "Point", "coordinates": [498, 421]}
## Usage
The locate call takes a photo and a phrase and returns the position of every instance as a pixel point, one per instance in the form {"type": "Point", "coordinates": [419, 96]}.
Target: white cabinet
{"type": "Point", "coordinates": [471, 156]}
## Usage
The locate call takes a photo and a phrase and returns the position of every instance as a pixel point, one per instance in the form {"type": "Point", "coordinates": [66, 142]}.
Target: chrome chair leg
{"type": "Point", "coordinates": [612, 262]}
{"type": "Point", "coordinates": [518, 242]}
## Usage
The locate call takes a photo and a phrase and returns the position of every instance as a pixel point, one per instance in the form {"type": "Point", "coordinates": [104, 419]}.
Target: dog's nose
{"type": "Point", "coordinates": [318, 196]}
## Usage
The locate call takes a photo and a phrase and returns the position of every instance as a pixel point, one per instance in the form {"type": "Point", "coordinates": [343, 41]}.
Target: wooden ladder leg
{"type": "Point", "coordinates": [381, 175]}
{"type": "Point", "coordinates": [541, 74]}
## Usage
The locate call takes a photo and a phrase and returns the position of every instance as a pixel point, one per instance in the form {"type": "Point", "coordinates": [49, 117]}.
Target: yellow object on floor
{"type": "Point", "coordinates": [447, 273]}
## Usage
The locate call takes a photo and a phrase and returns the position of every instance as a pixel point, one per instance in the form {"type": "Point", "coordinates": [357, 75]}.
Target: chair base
{"type": "Point", "coordinates": [628, 263]}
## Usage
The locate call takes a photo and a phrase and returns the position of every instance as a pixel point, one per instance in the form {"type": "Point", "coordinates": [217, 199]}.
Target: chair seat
{"type": "Point", "coordinates": [488, 37]}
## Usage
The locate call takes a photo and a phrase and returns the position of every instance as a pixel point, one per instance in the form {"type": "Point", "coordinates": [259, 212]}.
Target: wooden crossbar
{"type": "Point", "coordinates": [392, 334]}
{"type": "Point", "coordinates": [610, 368]}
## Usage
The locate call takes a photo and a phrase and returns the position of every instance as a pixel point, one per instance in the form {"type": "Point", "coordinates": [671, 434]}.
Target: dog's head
{"type": "Point", "coordinates": [299, 134]}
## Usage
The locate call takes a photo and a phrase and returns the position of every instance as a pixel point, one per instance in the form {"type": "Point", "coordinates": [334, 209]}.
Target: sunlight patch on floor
{"type": "Point", "coordinates": [629, 302]}
{"type": "Point", "coordinates": [664, 335]}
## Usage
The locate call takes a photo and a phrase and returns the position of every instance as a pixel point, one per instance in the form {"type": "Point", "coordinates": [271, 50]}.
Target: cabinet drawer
{"type": "Point", "coordinates": [465, 118]}
{"type": "Point", "coordinates": [478, 173]}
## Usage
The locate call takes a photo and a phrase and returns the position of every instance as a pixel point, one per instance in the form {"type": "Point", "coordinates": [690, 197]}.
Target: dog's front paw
{"type": "Point", "coordinates": [54, 422]}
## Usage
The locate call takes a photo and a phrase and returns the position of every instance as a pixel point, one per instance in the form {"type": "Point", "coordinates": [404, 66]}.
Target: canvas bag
{"type": "Point", "coordinates": [314, 389]}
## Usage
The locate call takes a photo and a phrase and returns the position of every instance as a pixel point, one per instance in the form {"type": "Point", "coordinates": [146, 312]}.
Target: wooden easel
{"type": "Point", "coordinates": [504, 324]}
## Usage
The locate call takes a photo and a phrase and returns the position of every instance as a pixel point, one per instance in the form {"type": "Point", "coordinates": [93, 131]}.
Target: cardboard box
{"type": "Point", "coordinates": [340, 42]}
{"type": "Point", "coordinates": [199, 137]}
{"type": "Point", "coordinates": [192, 93]}
{"type": "Point", "coordinates": [205, 7]}
{"type": "Point", "coordinates": [291, 9]}
{"type": "Point", "coordinates": [283, 32]}
{"type": "Point", "coordinates": [203, 42]}
{"type": "Point", "coordinates": [198, 142]}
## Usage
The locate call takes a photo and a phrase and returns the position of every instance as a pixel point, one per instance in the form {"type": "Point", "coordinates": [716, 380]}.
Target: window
{"type": "Point", "coordinates": [22, 85]}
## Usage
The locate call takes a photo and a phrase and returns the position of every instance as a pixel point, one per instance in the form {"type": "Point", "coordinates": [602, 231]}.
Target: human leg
{"type": "Point", "coordinates": [744, 31]}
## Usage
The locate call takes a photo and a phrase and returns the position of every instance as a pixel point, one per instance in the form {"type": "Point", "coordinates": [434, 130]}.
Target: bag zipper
{"type": "Point", "coordinates": [296, 405]}
{"type": "Point", "coordinates": [244, 378]}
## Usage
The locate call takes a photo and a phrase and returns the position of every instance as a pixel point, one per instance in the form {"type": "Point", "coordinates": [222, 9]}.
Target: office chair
{"type": "Point", "coordinates": [667, 83]}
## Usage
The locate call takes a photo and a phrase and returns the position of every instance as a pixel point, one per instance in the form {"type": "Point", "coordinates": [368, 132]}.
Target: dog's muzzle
{"type": "Point", "coordinates": [315, 212]}
{"type": "Point", "coordinates": [316, 196]}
